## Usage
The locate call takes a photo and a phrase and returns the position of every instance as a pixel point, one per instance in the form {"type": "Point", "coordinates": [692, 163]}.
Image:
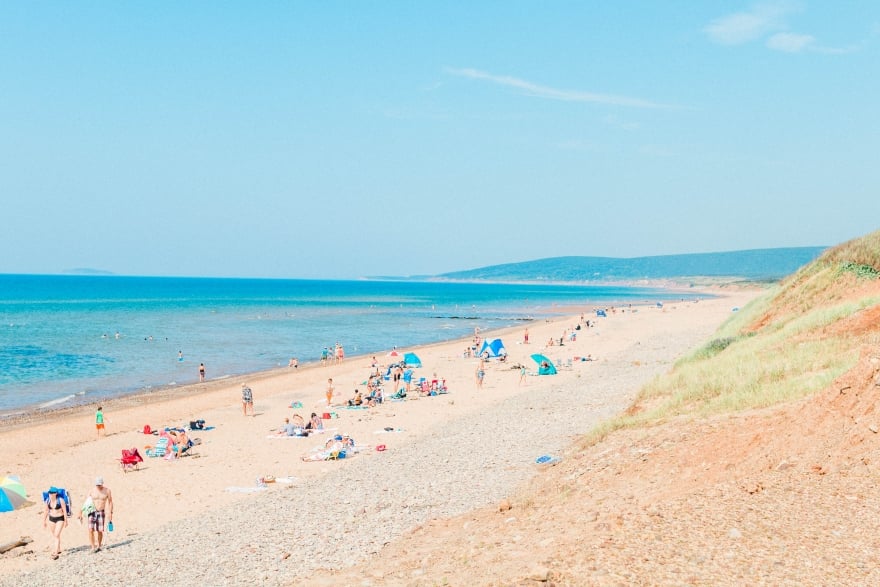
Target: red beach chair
{"type": "Point", "coordinates": [131, 459]}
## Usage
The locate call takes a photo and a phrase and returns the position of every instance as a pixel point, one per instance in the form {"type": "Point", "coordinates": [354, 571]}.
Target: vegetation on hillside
{"type": "Point", "coordinates": [791, 342]}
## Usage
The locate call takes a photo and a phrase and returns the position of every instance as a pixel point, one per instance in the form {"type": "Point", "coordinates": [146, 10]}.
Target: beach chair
{"type": "Point", "coordinates": [160, 449]}
{"type": "Point", "coordinates": [130, 460]}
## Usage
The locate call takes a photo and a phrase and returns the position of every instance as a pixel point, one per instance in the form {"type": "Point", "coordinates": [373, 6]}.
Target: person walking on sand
{"type": "Point", "coordinates": [99, 421]}
{"type": "Point", "coordinates": [481, 373]}
{"type": "Point", "coordinates": [201, 371]}
{"type": "Point", "coordinates": [247, 399]}
{"type": "Point", "coordinates": [55, 518]}
{"type": "Point", "coordinates": [526, 337]}
{"type": "Point", "coordinates": [329, 392]}
{"type": "Point", "coordinates": [99, 505]}
{"type": "Point", "coordinates": [522, 374]}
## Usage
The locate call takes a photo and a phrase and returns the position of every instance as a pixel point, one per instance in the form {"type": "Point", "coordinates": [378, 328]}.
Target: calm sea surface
{"type": "Point", "coordinates": [66, 339]}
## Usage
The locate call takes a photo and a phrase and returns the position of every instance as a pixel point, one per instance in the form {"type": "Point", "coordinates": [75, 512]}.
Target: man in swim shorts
{"type": "Point", "coordinates": [101, 511]}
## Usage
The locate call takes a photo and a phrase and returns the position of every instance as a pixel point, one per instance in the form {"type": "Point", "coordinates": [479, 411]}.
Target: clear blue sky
{"type": "Point", "coordinates": [342, 139]}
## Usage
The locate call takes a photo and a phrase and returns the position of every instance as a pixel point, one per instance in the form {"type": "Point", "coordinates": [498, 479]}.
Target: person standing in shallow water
{"type": "Point", "coordinates": [201, 371]}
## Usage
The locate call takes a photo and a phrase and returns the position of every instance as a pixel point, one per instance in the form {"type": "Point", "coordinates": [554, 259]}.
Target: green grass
{"type": "Point", "coordinates": [777, 349]}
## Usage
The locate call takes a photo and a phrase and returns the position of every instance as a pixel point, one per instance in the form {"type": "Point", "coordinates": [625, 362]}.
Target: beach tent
{"type": "Point", "coordinates": [494, 348]}
{"type": "Point", "coordinates": [412, 360]}
{"type": "Point", "coordinates": [545, 365]}
{"type": "Point", "coordinates": [601, 313]}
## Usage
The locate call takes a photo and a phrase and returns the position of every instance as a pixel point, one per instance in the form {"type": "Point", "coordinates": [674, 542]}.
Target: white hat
{"type": "Point", "coordinates": [99, 481]}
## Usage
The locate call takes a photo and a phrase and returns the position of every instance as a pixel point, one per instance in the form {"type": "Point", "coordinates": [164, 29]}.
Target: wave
{"type": "Point", "coordinates": [60, 400]}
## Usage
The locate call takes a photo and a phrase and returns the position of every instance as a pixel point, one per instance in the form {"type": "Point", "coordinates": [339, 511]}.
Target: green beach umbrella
{"type": "Point", "coordinates": [12, 493]}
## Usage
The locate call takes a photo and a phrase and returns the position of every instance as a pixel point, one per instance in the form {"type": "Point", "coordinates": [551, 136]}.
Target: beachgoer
{"type": "Point", "coordinates": [526, 337]}
{"type": "Point", "coordinates": [329, 392]}
{"type": "Point", "coordinates": [357, 399]}
{"type": "Point", "coordinates": [180, 355]}
{"type": "Point", "coordinates": [481, 373]}
{"type": "Point", "coordinates": [293, 363]}
{"type": "Point", "coordinates": [181, 442]}
{"type": "Point", "coordinates": [522, 374]}
{"type": "Point", "coordinates": [201, 371]}
{"type": "Point", "coordinates": [287, 429]}
{"type": "Point", "coordinates": [247, 399]}
{"type": "Point", "coordinates": [100, 510]}
{"type": "Point", "coordinates": [99, 421]}
{"type": "Point", "coordinates": [315, 423]}
{"type": "Point", "coordinates": [55, 518]}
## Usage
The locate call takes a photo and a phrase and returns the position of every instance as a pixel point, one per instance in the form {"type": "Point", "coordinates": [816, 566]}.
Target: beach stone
{"type": "Point", "coordinates": [504, 506]}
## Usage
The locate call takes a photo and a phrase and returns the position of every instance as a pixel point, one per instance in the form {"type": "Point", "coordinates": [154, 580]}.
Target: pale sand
{"type": "Point", "coordinates": [63, 449]}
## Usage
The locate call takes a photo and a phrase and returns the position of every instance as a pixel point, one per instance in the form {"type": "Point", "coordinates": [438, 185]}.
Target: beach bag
{"type": "Point", "coordinates": [147, 429]}
{"type": "Point", "coordinates": [197, 425]}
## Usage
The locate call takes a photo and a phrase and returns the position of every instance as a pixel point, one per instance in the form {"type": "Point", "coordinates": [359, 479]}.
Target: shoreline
{"type": "Point", "coordinates": [159, 392]}
{"type": "Point", "coordinates": [194, 493]}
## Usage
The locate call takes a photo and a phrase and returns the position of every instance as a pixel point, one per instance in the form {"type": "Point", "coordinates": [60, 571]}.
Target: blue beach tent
{"type": "Point", "coordinates": [545, 365]}
{"type": "Point", "coordinates": [412, 360]}
{"type": "Point", "coordinates": [494, 348]}
{"type": "Point", "coordinates": [601, 313]}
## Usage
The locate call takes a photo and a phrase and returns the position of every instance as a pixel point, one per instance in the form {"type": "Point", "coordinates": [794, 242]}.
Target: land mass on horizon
{"type": "Point", "coordinates": [752, 265]}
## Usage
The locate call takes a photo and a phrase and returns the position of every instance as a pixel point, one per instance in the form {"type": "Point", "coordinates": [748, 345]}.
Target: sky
{"type": "Point", "coordinates": [338, 139]}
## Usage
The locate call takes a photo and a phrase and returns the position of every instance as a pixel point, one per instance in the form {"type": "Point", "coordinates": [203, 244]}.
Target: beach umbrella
{"type": "Point", "coordinates": [545, 365]}
{"type": "Point", "coordinates": [12, 493]}
{"type": "Point", "coordinates": [394, 353]}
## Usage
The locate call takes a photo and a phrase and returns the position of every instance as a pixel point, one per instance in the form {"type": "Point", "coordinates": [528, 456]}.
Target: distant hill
{"type": "Point", "coordinates": [755, 264]}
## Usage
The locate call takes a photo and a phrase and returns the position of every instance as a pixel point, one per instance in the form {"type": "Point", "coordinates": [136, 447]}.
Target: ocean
{"type": "Point", "coordinates": [72, 339]}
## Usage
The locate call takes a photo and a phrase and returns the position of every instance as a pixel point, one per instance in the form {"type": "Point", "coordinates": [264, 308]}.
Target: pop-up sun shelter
{"type": "Point", "coordinates": [494, 348]}
{"type": "Point", "coordinates": [412, 360]}
{"type": "Point", "coordinates": [545, 365]}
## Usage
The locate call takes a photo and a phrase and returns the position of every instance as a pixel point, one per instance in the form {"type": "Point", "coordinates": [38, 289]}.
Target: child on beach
{"type": "Point", "coordinates": [99, 421]}
{"type": "Point", "coordinates": [329, 392]}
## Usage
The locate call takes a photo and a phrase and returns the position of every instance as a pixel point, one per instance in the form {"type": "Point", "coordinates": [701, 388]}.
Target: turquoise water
{"type": "Point", "coordinates": [66, 339]}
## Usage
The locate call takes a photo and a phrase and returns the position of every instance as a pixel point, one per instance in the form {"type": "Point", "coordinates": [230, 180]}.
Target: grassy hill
{"type": "Point", "coordinates": [752, 265]}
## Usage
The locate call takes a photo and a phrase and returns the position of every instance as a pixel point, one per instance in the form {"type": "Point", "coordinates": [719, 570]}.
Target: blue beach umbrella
{"type": "Point", "coordinates": [12, 493]}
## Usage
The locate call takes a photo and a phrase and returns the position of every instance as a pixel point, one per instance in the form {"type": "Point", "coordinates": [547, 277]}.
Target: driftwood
{"type": "Point", "coordinates": [24, 540]}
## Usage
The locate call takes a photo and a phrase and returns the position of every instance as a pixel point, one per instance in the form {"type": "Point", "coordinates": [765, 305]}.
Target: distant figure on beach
{"type": "Point", "coordinates": [201, 371]}
{"type": "Point", "coordinates": [55, 518]}
{"type": "Point", "coordinates": [99, 421]}
{"type": "Point", "coordinates": [526, 337]}
{"type": "Point", "coordinates": [293, 363]}
{"type": "Point", "coordinates": [357, 399]}
{"type": "Point", "coordinates": [481, 373]}
{"type": "Point", "coordinates": [522, 375]}
{"type": "Point", "coordinates": [99, 508]}
{"type": "Point", "coordinates": [247, 399]}
{"type": "Point", "coordinates": [180, 355]}
{"type": "Point", "coordinates": [329, 392]}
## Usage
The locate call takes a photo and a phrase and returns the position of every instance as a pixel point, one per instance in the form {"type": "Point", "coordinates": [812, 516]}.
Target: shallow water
{"type": "Point", "coordinates": [78, 338]}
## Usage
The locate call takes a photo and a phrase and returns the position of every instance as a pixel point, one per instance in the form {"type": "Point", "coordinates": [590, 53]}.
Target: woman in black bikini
{"type": "Point", "coordinates": [56, 515]}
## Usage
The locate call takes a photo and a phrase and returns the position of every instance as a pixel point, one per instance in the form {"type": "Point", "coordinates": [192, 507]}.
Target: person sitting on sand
{"type": "Point", "coordinates": [181, 442]}
{"type": "Point", "coordinates": [315, 423]}
{"type": "Point", "coordinates": [287, 429]}
{"type": "Point", "coordinates": [357, 400]}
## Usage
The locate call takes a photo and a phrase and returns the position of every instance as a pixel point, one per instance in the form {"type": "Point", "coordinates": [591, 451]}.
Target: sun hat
{"type": "Point", "coordinates": [53, 489]}
{"type": "Point", "coordinates": [99, 481]}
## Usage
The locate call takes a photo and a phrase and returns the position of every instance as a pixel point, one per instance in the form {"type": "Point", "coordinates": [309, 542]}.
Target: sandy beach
{"type": "Point", "coordinates": [204, 516]}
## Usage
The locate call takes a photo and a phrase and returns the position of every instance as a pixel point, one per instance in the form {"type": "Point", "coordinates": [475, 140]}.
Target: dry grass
{"type": "Point", "coordinates": [789, 343]}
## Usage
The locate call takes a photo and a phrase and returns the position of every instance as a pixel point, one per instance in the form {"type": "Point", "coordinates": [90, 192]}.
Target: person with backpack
{"type": "Point", "coordinates": [55, 517]}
